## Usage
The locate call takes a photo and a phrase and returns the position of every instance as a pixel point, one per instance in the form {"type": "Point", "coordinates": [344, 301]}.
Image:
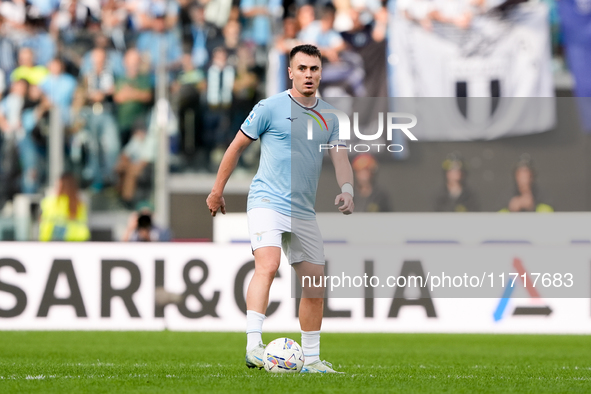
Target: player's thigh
{"type": "Point", "coordinates": [304, 243]}
{"type": "Point", "coordinates": [311, 278]}
{"type": "Point", "coordinates": [266, 228]}
{"type": "Point", "coordinates": [267, 259]}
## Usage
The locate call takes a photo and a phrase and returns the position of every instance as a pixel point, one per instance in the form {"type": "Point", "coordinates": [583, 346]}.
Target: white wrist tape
{"type": "Point", "coordinates": [347, 188]}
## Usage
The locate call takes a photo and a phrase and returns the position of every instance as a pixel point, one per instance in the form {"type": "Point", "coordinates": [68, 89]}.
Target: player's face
{"type": "Point", "coordinates": [305, 72]}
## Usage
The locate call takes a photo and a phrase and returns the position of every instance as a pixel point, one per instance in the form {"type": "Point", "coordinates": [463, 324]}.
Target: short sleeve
{"type": "Point", "coordinates": [334, 135]}
{"type": "Point", "coordinates": [257, 122]}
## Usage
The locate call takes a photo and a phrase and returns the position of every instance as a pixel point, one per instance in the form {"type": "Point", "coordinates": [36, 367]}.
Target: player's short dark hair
{"type": "Point", "coordinates": [307, 49]}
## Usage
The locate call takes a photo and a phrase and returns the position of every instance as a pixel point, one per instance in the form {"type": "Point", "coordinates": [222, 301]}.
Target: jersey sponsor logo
{"type": "Point", "coordinates": [265, 200]}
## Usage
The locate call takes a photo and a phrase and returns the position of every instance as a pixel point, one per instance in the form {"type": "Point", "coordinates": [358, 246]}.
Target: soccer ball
{"type": "Point", "coordinates": [283, 355]}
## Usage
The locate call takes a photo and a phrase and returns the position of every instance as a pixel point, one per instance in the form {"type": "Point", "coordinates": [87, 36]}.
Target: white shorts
{"type": "Point", "coordinates": [300, 239]}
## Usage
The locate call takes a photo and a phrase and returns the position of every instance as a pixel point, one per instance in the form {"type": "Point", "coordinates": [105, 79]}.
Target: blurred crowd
{"type": "Point", "coordinates": [92, 67]}
{"type": "Point", "coordinates": [456, 195]}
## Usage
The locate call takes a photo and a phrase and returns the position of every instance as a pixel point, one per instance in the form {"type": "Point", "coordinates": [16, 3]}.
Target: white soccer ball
{"type": "Point", "coordinates": [283, 355]}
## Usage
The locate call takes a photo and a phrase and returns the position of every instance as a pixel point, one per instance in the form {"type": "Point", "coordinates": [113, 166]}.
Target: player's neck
{"type": "Point", "coordinates": [306, 101]}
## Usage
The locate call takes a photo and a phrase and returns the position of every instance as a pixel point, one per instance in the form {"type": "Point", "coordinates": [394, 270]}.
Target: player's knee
{"type": "Point", "coordinates": [317, 302]}
{"type": "Point", "coordinates": [313, 292]}
{"type": "Point", "coordinates": [266, 268]}
{"type": "Point", "coordinates": [313, 286]}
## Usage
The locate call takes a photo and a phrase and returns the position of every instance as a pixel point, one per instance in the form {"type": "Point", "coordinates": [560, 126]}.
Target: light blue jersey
{"type": "Point", "coordinates": [290, 165]}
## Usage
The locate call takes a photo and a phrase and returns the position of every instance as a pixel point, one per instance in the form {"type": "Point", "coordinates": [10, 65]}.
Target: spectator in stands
{"type": "Point", "coordinates": [63, 214]}
{"type": "Point", "coordinates": [305, 16]}
{"type": "Point", "coordinates": [27, 69]}
{"type": "Point", "coordinates": [159, 37]}
{"type": "Point", "coordinates": [94, 104]}
{"type": "Point", "coordinates": [455, 197]}
{"type": "Point", "coordinates": [360, 34]}
{"type": "Point", "coordinates": [288, 39]}
{"type": "Point", "coordinates": [366, 38]}
{"type": "Point", "coordinates": [74, 16]}
{"type": "Point", "coordinates": [2, 83]}
{"type": "Point", "coordinates": [133, 95]}
{"type": "Point", "coordinates": [218, 11]}
{"type": "Point", "coordinates": [245, 85]}
{"type": "Point", "coordinates": [11, 132]}
{"type": "Point", "coordinates": [75, 23]}
{"type": "Point", "coordinates": [231, 41]}
{"type": "Point", "coordinates": [32, 143]}
{"type": "Point", "coordinates": [187, 91]}
{"type": "Point", "coordinates": [15, 13]}
{"type": "Point", "coordinates": [135, 163]}
{"type": "Point", "coordinates": [279, 57]}
{"type": "Point", "coordinates": [11, 108]}
{"type": "Point", "coordinates": [142, 229]}
{"type": "Point", "coordinates": [220, 84]}
{"type": "Point", "coordinates": [114, 57]}
{"type": "Point", "coordinates": [7, 58]}
{"type": "Point", "coordinates": [343, 69]}
{"type": "Point", "coordinates": [59, 88]}
{"type": "Point", "coordinates": [368, 196]}
{"type": "Point", "coordinates": [43, 8]}
{"type": "Point", "coordinates": [321, 33]}
{"type": "Point", "coordinates": [185, 21]}
{"type": "Point", "coordinates": [258, 22]}
{"type": "Point", "coordinates": [457, 13]}
{"type": "Point", "coordinates": [40, 41]}
{"type": "Point", "coordinates": [527, 196]}
{"type": "Point", "coordinates": [170, 8]}
{"type": "Point", "coordinates": [114, 17]}
{"type": "Point", "coordinates": [342, 20]}
{"type": "Point", "coordinates": [201, 35]}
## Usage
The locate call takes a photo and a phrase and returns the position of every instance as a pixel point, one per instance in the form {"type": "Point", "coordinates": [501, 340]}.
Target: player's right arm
{"type": "Point", "coordinates": [215, 200]}
{"type": "Point", "coordinates": [253, 127]}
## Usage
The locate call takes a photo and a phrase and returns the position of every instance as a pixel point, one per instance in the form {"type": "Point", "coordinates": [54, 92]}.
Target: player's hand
{"type": "Point", "coordinates": [348, 206]}
{"type": "Point", "coordinates": [216, 202]}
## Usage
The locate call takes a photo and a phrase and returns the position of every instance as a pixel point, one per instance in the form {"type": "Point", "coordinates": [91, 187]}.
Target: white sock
{"type": "Point", "coordinates": [311, 346]}
{"type": "Point", "coordinates": [254, 329]}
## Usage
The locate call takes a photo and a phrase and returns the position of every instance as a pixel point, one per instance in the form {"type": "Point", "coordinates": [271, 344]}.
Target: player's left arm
{"type": "Point", "coordinates": [344, 174]}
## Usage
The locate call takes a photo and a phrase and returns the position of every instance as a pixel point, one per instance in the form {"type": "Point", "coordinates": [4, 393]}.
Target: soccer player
{"type": "Point", "coordinates": [282, 197]}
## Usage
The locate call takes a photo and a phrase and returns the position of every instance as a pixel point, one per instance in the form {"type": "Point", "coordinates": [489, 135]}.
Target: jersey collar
{"type": "Point", "coordinates": [298, 103]}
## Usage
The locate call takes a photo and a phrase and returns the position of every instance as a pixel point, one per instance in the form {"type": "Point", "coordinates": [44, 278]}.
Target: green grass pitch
{"type": "Point", "coordinates": [181, 362]}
